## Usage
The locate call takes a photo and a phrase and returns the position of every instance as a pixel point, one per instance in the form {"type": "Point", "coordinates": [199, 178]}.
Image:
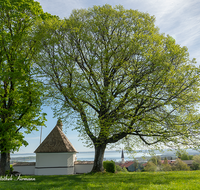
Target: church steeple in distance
{"type": "Point", "coordinates": [122, 157]}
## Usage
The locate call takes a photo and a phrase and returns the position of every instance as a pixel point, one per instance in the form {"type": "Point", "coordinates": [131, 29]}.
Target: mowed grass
{"type": "Point", "coordinates": [141, 180]}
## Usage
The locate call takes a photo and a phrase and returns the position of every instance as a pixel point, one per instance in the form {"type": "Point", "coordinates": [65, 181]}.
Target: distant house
{"type": "Point", "coordinates": [128, 165]}
{"type": "Point", "coordinates": [54, 156]}
{"type": "Point", "coordinates": [169, 161]}
{"type": "Point", "coordinates": [188, 162]}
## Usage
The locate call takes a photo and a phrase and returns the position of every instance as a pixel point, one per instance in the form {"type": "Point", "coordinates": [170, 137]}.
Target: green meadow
{"type": "Point", "coordinates": [132, 180]}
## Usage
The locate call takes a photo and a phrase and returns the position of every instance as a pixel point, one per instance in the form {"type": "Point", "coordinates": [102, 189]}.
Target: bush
{"type": "Point", "coordinates": [109, 166]}
{"type": "Point", "coordinates": [156, 160]}
{"type": "Point", "coordinates": [104, 164]}
{"type": "Point", "coordinates": [195, 165]}
{"type": "Point", "coordinates": [11, 168]}
{"type": "Point", "coordinates": [150, 167]}
{"type": "Point", "coordinates": [180, 165]}
{"type": "Point", "coordinates": [9, 172]}
{"type": "Point", "coordinates": [196, 162]}
{"type": "Point", "coordinates": [118, 168]}
{"type": "Point", "coordinates": [166, 167]}
{"type": "Point", "coordinates": [124, 169]}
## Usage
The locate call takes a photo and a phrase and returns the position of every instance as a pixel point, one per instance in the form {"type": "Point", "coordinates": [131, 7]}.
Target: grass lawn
{"type": "Point", "coordinates": [182, 180]}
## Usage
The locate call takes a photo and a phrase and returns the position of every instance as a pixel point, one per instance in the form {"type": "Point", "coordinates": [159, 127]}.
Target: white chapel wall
{"type": "Point", "coordinates": [54, 171]}
{"type": "Point", "coordinates": [54, 163]}
{"type": "Point", "coordinates": [54, 159]}
{"type": "Point", "coordinates": [25, 170]}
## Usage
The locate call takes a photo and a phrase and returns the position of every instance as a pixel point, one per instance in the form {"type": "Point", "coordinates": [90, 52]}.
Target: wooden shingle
{"type": "Point", "coordinates": [56, 141]}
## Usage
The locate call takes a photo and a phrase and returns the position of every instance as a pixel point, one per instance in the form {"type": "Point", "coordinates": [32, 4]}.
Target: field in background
{"type": "Point", "coordinates": [187, 180]}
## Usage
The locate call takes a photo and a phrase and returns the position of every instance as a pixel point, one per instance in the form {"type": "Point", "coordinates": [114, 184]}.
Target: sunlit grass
{"type": "Point", "coordinates": [142, 180]}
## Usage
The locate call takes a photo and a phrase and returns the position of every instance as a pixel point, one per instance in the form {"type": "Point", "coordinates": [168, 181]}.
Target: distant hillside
{"type": "Point", "coordinates": [23, 159]}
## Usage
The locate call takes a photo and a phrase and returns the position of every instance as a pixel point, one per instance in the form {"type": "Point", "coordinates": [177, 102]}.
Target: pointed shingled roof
{"type": "Point", "coordinates": [56, 141]}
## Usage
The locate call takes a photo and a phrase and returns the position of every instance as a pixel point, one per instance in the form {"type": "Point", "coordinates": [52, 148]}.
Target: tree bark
{"type": "Point", "coordinates": [98, 160]}
{"type": "Point", "coordinates": [5, 163]}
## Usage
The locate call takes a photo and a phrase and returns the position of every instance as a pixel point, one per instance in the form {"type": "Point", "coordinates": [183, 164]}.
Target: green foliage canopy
{"type": "Point", "coordinates": [122, 79]}
{"type": "Point", "coordinates": [20, 91]}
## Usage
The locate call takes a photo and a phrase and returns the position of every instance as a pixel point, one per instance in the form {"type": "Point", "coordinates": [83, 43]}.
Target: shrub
{"type": "Point", "coordinates": [105, 164]}
{"type": "Point", "coordinates": [180, 165]}
{"type": "Point", "coordinates": [195, 165]}
{"type": "Point", "coordinates": [124, 169]}
{"type": "Point", "coordinates": [109, 166]}
{"type": "Point", "coordinates": [9, 172]}
{"type": "Point", "coordinates": [196, 162]}
{"type": "Point", "coordinates": [118, 168]}
{"type": "Point", "coordinates": [166, 167]}
{"type": "Point", "coordinates": [150, 167]}
{"type": "Point", "coordinates": [165, 161]}
{"type": "Point", "coordinates": [156, 160]}
{"type": "Point", "coordinates": [11, 168]}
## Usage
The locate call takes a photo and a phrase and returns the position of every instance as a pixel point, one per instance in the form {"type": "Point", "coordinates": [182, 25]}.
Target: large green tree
{"type": "Point", "coordinates": [123, 79]}
{"type": "Point", "coordinates": [20, 92]}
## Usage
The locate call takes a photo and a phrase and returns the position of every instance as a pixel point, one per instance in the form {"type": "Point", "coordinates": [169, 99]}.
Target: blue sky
{"type": "Point", "coordinates": [178, 18]}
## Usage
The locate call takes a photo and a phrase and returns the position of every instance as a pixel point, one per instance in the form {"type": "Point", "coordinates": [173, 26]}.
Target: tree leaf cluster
{"type": "Point", "coordinates": [121, 78]}
{"type": "Point", "coordinates": [20, 91]}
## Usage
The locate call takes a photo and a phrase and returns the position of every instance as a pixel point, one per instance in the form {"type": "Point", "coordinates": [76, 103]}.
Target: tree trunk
{"type": "Point", "coordinates": [5, 163]}
{"type": "Point", "coordinates": [98, 160]}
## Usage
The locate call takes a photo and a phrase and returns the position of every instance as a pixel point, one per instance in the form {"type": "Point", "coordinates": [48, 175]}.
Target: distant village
{"type": "Point", "coordinates": [57, 156]}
